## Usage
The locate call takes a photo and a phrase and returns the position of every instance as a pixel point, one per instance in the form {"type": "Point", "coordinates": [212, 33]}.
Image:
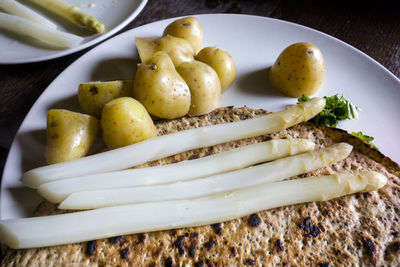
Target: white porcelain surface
{"type": "Point", "coordinates": [254, 43]}
{"type": "Point", "coordinates": [115, 14]}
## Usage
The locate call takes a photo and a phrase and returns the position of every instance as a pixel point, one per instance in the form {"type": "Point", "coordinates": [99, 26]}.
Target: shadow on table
{"type": "Point", "coordinates": [27, 198]}
{"type": "Point", "coordinates": [257, 83]}
{"type": "Point", "coordinates": [70, 103]}
{"type": "Point", "coordinates": [32, 146]}
{"type": "Point", "coordinates": [115, 69]}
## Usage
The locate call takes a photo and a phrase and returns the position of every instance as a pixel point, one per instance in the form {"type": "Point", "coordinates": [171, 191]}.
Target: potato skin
{"type": "Point", "coordinates": [179, 50]}
{"type": "Point", "coordinates": [159, 87]}
{"type": "Point", "coordinates": [125, 121]}
{"type": "Point", "coordinates": [188, 28]}
{"type": "Point", "coordinates": [93, 96]}
{"type": "Point", "coordinates": [298, 70]}
{"type": "Point", "coordinates": [221, 62]}
{"type": "Point", "coordinates": [69, 135]}
{"type": "Point", "coordinates": [204, 85]}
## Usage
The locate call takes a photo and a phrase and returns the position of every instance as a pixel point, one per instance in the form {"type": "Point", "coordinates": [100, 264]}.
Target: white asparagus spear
{"type": "Point", "coordinates": [146, 217]}
{"type": "Point", "coordinates": [170, 144]}
{"type": "Point", "coordinates": [234, 159]}
{"type": "Point", "coordinates": [71, 13]}
{"type": "Point", "coordinates": [15, 8]}
{"type": "Point", "coordinates": [37, 31]}
{"type": "Point", "coordinates": [264, 173]}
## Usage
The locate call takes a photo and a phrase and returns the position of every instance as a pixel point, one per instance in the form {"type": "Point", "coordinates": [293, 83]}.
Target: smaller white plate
{"type": "Point", "coordinates": [115, 14]}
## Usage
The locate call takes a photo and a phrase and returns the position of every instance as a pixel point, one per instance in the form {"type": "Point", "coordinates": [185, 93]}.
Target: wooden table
{"type": "Point", "coordinates": [372, 28]}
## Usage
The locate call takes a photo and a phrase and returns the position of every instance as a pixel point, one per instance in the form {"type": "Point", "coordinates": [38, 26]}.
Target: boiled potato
{"type": "Point", "coordinates": [298, 70]}
{"type": "Point", "coordinates": [125, 121]}
{"type": "Point", "coordinates": [204, 85]}
{"type": "Point", "coordinates": [188, 28]}
{"type": "Point", "coordinates": [159, 87]}
{"type": "Point", "coordinates": [69, 135]}
{"type": "Point", "coordinates": [221, 62]}
{"type": "Point", "coordinates": [178, 49]}
{"type": "Point", "coordinates": [93, 95]}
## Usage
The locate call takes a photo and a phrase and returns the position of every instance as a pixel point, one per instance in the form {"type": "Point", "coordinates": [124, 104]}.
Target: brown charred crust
{"type": "Point", "coordinates": [116, 239]}
{"type": "Point", "coordinates": [250, 262]}
{"type": "Point", "coordinates": [193, 157]}
{"type": "Point", "coordinates": [368, 245]}
{"type": "Point", "coordinates": [310, 230]}
{"type": "Point", "coordinates": [267, 138]}
{"type": "Point", "coordinates": [367, 194]}
{"type": "Point", "coordinates": [209, 263]}
{"type": "Point", "coordinates": [169, 262]}
{"type": "Point", "coordinates": [218, 228]}
{"type": "Point", "coordinates": [141, 238]}
{"type": "Point", "coordinates": [179, 244]}
{"type": "Point", "coordinates": [157, 252]}
{"type": "Point", "coordinates": [124, 253]}
{"type": "Point", "coordinates": [393, 249]}
{"type": "Point", "coordinates": [324, 264]}
{"type": "Point", "coordinates": [327, 212]}
{"type": "Point", "coordinates": [233, 251]}
{"type": "Point", "coordinates": [210, 244]}
{"type": "Point", "coordinates": [279, 245]}
{"type": "Point", "coordinates": [254, 220]}
{"type": "Point", "coordinates": [395, 246]}
{"type": "Point", "coordinates": [199, 264]}
{"type": "Point", "coordinates": [91, 247]}
{"type": "Point", "coordinates": [192, 251]}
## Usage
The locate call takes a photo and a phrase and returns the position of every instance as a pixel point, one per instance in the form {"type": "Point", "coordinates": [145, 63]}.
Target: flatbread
{"type": "Point", "coordinates": [358, 230]}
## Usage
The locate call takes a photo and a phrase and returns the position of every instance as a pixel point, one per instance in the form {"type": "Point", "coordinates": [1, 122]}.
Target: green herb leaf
{"type": "Point", "coordinates": [364, 137]}
{"type": "Point", "coordinates": [303, 98]}
{"type": "Point", "coordinates": [336, 109]}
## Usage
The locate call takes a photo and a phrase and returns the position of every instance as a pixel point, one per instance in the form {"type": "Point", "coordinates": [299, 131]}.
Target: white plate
{"type": "Point", "coordinates": [254, 43]}
{"type": "Point", "coordinates": [115, 14]}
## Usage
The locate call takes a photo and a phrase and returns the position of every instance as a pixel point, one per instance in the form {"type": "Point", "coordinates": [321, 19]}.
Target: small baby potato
{"type": "Point", "coordinates": [178, 49]}
{"type": "Point", "coordinates": [93, 95]}
{"type": "Point", "coordinates": [125, 121]}
{"type": "Point", "coordinates": [221, 62]}
{"type": "Point", "coordinates": [188, 28]}
{"type": "Point", "coordinates": [69, 135]}
{"type": "Point", "coordinates": [298, 70]}
{"type": "Point", "coordinates": [204, 85]}
{"type": "Point", "coordinates": [159, 87]}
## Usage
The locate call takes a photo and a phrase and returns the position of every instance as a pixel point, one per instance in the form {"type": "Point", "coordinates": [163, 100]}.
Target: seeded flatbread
{"type": "Point", "coordinates": [357, 230]}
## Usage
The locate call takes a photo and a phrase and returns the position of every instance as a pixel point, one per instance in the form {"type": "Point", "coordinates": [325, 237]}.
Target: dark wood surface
{"type": "Point", "coordinates": [371, 26]}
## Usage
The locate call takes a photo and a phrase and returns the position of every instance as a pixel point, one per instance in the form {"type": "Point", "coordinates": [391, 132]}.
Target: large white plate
{"type": "Point", "coordinates": [115, 14]}
{"type": "Point", "coordinates": [254, 43]}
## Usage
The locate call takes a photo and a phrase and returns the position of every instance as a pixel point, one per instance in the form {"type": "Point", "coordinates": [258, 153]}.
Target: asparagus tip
{"type": "Point", "coordinates": [373, 180]}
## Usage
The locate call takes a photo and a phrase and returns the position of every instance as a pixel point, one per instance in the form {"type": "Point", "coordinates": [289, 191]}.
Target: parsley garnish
{"type": "Point", "coordinates": [364, 137]}
{"type": "Point", "coordinates": [336, 109]}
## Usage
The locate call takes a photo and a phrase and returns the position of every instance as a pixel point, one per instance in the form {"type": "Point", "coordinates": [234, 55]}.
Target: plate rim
{"type": "Point", "coordinates": [98, 40]}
